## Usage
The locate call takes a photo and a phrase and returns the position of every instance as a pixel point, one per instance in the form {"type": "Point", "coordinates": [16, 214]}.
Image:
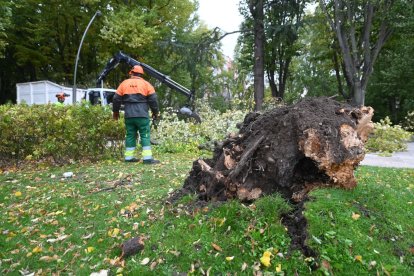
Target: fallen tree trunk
{"type": "Point", "coordinates": [291, 150]}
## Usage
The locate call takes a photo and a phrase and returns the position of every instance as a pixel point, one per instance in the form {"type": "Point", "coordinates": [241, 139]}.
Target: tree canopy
{"type": "Point", "coordinates": [350, 49]}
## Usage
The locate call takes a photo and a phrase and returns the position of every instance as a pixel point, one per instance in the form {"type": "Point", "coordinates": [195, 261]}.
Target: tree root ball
{"type": "Point", "coordinates": [291, 150]}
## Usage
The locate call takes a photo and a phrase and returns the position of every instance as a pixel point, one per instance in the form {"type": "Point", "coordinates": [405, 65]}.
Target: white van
{"type": "Point", "coordinates": [102, 96]}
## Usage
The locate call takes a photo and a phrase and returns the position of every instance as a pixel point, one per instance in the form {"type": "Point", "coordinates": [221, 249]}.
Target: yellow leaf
{"type": "Point", "coordinates": [17, 194]}
{"type": "Point", "coordinates": [355, 216]}
{"type": "Point", "coordinates": [90, 249]}
{"type": "Point", "coordinates": [229, 258]}
{"type": "Point", "coordinates": [358, 258]}
{"type": "Point", "coordinates": [115, 232]}
{"type": "Point", "coordinates": [37, 249]}
{"type": "Point", "coordinates": [279, 268]}
{"type": "Point", "coordinates": [265, 259]}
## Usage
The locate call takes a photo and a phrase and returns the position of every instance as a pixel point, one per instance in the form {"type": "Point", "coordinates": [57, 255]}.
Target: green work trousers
{"type": "Point", "coordinates": [135, 125]}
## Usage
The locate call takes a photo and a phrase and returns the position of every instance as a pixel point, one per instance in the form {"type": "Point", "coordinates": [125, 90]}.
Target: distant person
{"type": "Point", "coordinates": [138, 96]}
{"type": "Point", "coordinates": [61, 98]}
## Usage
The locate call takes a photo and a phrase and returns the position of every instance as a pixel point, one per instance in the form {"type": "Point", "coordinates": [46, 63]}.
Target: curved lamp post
{"type": "Point", "coordinates": [97, 13]}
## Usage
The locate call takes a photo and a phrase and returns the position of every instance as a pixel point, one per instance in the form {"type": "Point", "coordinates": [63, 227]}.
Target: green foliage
{"type": "Point", "coordinates": [313, 69]}
{"type": "Point", "coordinates": [409, 121]}
{"type": "Point", "coordinates": [388, 138]}
{"type": "Point", "coordinates": [62, 133]}
{"type": "Point", "coordinates": [178, 135]}
{"type": "Point", "coordinates": [391, 90]}
{"type": "Point", "coordinates": [5, 15]}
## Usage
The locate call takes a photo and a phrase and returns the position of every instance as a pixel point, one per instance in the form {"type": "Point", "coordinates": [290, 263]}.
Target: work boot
{"type": "Point", "coordinates": [151, 161]}
{"type": "Point", "coordinates": [133, 160]}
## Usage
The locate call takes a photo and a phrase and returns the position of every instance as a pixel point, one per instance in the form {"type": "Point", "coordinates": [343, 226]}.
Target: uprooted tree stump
{"type": "Point", "coordinates": [291, 150]}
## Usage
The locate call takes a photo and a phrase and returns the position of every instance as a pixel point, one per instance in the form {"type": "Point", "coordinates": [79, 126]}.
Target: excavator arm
{"type": "Point", "coordinates": [123, 58]}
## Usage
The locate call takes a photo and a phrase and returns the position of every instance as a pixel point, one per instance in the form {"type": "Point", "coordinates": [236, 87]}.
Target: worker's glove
{"type": "Point", "coordinates": [115, 116]}
{"type": "Point", "coordinates": [155, 119]}
{"type": "Point", "coordinates": [155, 116]}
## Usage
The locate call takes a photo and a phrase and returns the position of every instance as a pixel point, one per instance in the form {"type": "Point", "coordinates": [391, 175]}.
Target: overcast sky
{"type": "Point", "coordinates": [225, 15]}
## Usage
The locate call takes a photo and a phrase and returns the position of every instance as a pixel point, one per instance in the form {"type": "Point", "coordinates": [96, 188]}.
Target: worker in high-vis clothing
{"type": "Point", "coordinates": [61, 98]}
{"type": "Point", "coordinates": [138, 96]}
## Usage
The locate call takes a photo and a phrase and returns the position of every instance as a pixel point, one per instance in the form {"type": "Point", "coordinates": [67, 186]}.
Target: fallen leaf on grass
{"type": "Point", "coordinates": [49, 258]}
{"type": "Point", "coordinates": [100, 273]}
{"type": "Point", "coordinates": [88, 236]}
{"type": "Point", "coordinates": [265, 259]}
{"type": "Point", "coordinates": [279, 268]}
{"type": "Point", "coordinates": [216, 247]}
{"type": "Point", "coordinates": [244, 266]}
{"type": "Point", "coordinates": [37, 249]}
{"type": "Point", "coordinates": [145, 261]}
{"type": "Point", "coordinates": [114, 232]}
{"type": "Point", "coordinates": [358, 258]}
{"type": "Point", "coordinates": [229, 258]}
{"type": "Point", "coordinates": [355, 216]}
{"type": "Point", "coordinates": [60, 238]}
{"type": "Point", "coordinates": [153, 265]}
{"type": "Point", "coordinates": [18, 194]}
{"type": "Point", "coordinates": [175, 253]}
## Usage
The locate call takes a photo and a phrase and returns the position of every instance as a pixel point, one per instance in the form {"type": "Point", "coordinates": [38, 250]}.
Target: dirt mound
{"type": "Point", "coordinates": [290, 150]}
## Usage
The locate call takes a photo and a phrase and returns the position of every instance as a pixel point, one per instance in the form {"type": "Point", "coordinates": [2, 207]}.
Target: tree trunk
{"type": "Point", "coordinates": [272, 83]}
{"type": "Point", "coordinates": [256, 9]}
{"type": "Point", "coordinates": [355, 38]}
{"type": "Point", "coordinates": [358, 94]}
{"type": "Point", "coordinates": [317, 142]}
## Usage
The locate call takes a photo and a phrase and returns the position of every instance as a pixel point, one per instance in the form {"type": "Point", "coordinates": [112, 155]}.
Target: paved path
{"type": "Point", "coordinates": [397, 160]}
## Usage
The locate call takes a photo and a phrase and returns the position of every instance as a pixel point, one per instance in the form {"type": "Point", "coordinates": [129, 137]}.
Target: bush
{"type": "Point", "coordinates": [178, 135]}
{"type": "Point", "coordinates": [60, 133]}
{"type": "Point", "coordinates": [409, 121]}
{"type": "Point", "coordinates": [387, 138]}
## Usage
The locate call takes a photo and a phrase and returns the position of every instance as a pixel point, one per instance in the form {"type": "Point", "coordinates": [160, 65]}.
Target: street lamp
{"type": "Point", "coordinates": [97, 13]}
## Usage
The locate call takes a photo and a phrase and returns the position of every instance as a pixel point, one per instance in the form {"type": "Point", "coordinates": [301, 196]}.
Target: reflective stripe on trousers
{"type": "Point", "coordinates": [146, 153]}
{"type": "Point", "coordinates": [129, 153]}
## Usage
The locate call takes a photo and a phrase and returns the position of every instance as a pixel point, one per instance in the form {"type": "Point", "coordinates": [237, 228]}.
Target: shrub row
{"type": "Point", "coordinates": [388, 138]}
{"type": "Point", "coordinates": [60, 133]}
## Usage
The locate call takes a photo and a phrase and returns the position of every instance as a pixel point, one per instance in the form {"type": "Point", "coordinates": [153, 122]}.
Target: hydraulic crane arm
{"type": "Point", "coordinates": [121, 57]}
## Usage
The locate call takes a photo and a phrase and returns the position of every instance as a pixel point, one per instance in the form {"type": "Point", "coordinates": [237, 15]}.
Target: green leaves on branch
{"type": "Point", "coordinates": [388, 138]}
{"type": "Point", "coordinates": [137, 27]}
{"type": "Point", "coordinates": [129, 28]}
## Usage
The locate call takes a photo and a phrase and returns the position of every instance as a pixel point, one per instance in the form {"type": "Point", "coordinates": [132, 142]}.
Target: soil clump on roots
{"type": "Point", "coordinates": [317, 142]}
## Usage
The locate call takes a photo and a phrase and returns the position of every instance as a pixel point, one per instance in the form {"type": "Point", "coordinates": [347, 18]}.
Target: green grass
{"type": "Point", "coordinates": [71, 225]}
